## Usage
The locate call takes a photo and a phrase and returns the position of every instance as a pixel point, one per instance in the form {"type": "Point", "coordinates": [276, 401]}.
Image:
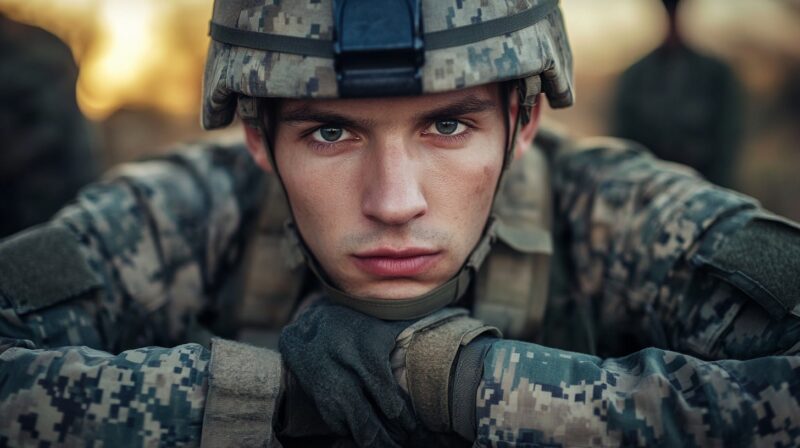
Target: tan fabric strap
{"type": "Point", "coordinates": [432, 346]}
{"type": "Point", "coordinates": [243, 396]}
{"type": "Point", "coordinates": [512, 286]}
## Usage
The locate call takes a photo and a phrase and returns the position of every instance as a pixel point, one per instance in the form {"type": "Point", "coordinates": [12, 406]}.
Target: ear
{"type": "Point", "coordinates": [255, 144]}
{"type": "Point", "coordinates": [527, 132]}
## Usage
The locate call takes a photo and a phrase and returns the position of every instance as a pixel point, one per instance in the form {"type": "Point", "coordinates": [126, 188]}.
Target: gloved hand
{"type": "Point", "coordinates": [340, 358]}
{"type": "Point", "coordinates": [299, 422]}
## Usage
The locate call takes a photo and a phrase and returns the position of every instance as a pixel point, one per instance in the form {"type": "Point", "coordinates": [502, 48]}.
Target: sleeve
{"type": "Point", "coordinates": [532, 395]}
{"type": "Point", "coordinates": [78, 395]}
{"type": "Point", "coordinates": [130, 264]}
{"type": "Point", "coordinates": [627, 224]}
{"type": "Point", "coordinates": [165, 238]}
{"type": "Point", "coordinates": [717, 362]}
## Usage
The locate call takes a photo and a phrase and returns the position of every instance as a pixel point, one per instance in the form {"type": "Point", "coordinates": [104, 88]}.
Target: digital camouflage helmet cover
{"type": "Point", "coordinates": [288, 48]}
{"type": "Point", "coordinates": [380, 48]}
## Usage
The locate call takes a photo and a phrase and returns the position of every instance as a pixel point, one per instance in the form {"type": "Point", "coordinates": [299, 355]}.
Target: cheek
{"type": "Point", "coordinates": [478, 176]}
{"type": "Point", "coordinates": [482, 191]}
{"type": "Point", "coordinates": [324, 199]}
{"type": "Point", "coordinates": [475, 187]}
{"type": "Point", "coordinates": [487, 178]}
{"type": "Point", "coordinates": [317, 198]}
{"type": "Point", "coordinates": [310, 194]}
{"type": "Point", "coordinates": [466, 187]}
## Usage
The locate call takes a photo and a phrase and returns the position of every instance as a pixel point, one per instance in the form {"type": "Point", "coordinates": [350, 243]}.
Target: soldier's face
{"type": "Point", "coordinates": [391, 195]}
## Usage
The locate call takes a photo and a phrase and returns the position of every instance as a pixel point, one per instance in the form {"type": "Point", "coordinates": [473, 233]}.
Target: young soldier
{"type": "Point", "coordinates": [640, 304]}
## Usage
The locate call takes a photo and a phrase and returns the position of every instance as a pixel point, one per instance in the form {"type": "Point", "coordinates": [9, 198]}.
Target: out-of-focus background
{"type": "Point", "coordinates": [140, 70]}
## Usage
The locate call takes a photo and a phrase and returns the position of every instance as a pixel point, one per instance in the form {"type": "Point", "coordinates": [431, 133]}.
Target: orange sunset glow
{"type": "Point", "coordinates": [146, 53]}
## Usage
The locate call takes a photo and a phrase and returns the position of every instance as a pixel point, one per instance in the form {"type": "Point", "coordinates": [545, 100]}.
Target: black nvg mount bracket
{"type": "Point", "coordinates": [378, 47]}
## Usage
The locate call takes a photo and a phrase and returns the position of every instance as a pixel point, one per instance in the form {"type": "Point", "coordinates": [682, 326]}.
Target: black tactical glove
{"type": "Point", "coordinates": [299, 423]}
{"type": "Point", "coordinates": [340, 358]}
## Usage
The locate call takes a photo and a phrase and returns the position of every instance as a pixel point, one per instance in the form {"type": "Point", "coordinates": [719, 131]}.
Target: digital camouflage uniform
{"type": "Point", "coordinates": [161, 243]}
{"type": "Point", "coordinates": [664, 325]}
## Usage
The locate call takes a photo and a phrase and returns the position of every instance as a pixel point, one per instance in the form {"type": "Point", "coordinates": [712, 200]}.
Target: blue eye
{"type": "Point", "coordinates": [446, 127]}
{"type": "Point", "coordinates": [330, 133]}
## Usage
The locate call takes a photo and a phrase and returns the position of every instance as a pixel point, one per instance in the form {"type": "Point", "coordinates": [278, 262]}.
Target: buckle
{"type": "Point", "coordinates": [378, 47]}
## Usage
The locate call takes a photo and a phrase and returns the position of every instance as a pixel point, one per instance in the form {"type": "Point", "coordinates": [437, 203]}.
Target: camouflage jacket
{"type": "Point", "coordinates": [679, 356]}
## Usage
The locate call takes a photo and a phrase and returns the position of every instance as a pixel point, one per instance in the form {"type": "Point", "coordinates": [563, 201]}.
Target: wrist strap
{"type": "Point", "coordinates": [243, 394]}
{"type": "Point", "coordinates": [429, 360]}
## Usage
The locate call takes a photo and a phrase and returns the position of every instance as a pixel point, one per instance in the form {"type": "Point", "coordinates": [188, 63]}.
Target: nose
{"type": "Point", "coordinates": [393, 191]}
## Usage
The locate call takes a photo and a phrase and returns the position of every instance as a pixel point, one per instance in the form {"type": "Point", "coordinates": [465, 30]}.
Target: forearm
{"type": "Point", "coordinates": [153, 396]}
{"type": "Point", "coordinates": [77, 395]}
{"type": "Point", "coordinates": [540, 395]}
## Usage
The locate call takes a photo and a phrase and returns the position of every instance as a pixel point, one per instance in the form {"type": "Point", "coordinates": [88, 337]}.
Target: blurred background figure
{"type": "Point", "coordinates": [683, 105]}
{"type": "Point", "coordinates": [45, 144]}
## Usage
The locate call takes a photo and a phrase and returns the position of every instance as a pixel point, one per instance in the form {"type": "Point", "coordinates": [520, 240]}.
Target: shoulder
{"type": "Point", "coordinates": [203, 161]}
{"type": "Point", "coordinates": [148, 225]}
{"type": "Point", "coordinates": [632, 215]}
{"type": "Point", "coordinates": [191, 185]}
{"type": "Point", "coordinates": [592, 160]}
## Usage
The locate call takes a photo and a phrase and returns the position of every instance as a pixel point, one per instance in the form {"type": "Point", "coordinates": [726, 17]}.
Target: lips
{"type": "Point", "coordinates": [396, 263]}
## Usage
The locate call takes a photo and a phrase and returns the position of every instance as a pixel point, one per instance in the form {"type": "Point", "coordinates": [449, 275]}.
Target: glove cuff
{"type": "Point", "coordinates": [243, 395]}
{"type": "Point", "coordinates": [428, 349]}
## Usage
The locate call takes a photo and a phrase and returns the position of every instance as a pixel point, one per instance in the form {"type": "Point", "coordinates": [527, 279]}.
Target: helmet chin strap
{"type": "Point", "coordinates": [414, 307]}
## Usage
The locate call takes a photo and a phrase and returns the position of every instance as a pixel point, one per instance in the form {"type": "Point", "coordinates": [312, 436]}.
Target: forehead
{"type": "Point", "coordinates": [485, 94]}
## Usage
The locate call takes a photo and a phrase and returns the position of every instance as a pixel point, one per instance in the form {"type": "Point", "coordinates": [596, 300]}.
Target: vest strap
{"type": "Point", "coordinates": [431, 346]}
{"type": "Point", "coordinates": [513, 286]}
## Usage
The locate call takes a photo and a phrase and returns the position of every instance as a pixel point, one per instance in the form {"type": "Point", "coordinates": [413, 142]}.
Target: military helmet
{"type": "Point", "coordinates": [375, 48]}
{"type": "Point", "coordinates": [379, 48]}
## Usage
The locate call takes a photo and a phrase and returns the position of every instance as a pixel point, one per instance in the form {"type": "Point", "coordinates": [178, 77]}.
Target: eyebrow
{"type": "Point", "coordinates": [467, 105]}
{"type": "Point", "coordinates": [308, 114]}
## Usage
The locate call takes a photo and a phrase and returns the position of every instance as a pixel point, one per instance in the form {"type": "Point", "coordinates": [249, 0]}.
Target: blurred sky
{"type": "Point", "coordinates": [147, 56]}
